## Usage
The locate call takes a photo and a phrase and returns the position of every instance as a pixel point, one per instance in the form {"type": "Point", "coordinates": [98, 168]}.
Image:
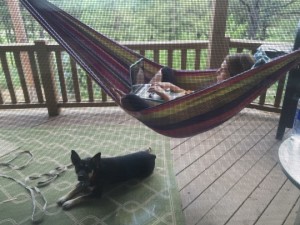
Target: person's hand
{"type": "Point", "coordinates": [159, 91]}
{"type": "Point", "coordinates": [188, 92]}
{"type": "Point", "coordinates": [156, 89]}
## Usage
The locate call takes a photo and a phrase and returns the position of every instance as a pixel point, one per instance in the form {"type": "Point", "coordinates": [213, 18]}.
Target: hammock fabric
{"type": "Point", "coordinates": [108, 63]}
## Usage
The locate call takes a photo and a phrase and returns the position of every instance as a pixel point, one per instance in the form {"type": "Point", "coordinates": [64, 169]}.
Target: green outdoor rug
{"type": "Point", "coordinates": [154, 200]}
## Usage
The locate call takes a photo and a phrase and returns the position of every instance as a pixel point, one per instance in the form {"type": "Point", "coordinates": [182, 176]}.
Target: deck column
{"type": "Point", "coordinates": [45, 63]}
{"type": "Point", "coordinates": [218, 46]}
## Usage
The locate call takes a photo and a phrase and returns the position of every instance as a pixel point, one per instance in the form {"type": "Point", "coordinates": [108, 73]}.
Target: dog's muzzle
{"type": "Point", "coordinates": [83, 176]}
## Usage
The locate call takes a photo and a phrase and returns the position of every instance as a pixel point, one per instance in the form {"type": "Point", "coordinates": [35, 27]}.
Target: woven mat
{"type": "Point", "coordinates": [6, 147]}
{"type": "Point", "coordinates": [154, 200]}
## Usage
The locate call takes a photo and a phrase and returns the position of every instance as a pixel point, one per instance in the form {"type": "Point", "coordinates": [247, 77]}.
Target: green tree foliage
{"type": "Point", "coordinates": [6, 28]}
{"type": "Point", "coordinates": [263, 17]}
{"type": "Point", "coordinates": [147, 20]}
{"type": "Point", "coordinates": [143, 20]}
{"type": "Point", "coordinates": [234, 29]}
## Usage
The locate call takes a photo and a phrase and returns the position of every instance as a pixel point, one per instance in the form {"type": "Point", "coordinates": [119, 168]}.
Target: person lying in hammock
{"type": "Point", "coordinates": [164, 80]}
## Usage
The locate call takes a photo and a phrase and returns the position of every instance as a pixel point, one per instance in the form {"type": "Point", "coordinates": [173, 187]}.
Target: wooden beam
{"type": "Point", "coordinates": [45, 62]}
{"type": "Point", "coordinates": [218, 46]}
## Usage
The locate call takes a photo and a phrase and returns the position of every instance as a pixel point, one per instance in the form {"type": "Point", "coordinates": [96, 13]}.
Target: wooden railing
{"type": "Point", "coordinates": [43, 75]}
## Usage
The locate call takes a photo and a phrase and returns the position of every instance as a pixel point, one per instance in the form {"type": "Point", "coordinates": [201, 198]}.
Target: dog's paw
{"type": "Point", "coordinates": [67, 205]}
{"type": "Point", "coordinates": [61, 201]}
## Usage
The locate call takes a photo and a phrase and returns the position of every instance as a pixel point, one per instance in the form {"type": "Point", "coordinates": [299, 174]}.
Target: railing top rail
{"type": "Point", "coordinates": [27, 47]}
{"type": "Point", "coordinates": [241, 43]}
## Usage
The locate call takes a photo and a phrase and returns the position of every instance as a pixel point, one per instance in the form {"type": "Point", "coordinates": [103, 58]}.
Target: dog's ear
{"type": "Point", "coordinates": [75, 158]}
{"type": "Point", "coordinates": [97, 159]}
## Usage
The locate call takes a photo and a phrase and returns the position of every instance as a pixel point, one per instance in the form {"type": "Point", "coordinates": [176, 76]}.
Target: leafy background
{"type": "Point", "coordinates": [156, 20]}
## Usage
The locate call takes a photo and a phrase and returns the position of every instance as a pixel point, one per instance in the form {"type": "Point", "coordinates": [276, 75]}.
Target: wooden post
{"type": "Point", "coordinates": [292, 94]}
{"type": "Point", "coordinates": [21, 37]}
{"type": "Point", "coordinates": [218, 46]}
{"type": "Point", "coordinates": [46, 69]}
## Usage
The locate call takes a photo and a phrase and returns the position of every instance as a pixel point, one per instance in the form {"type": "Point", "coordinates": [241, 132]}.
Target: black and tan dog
{"type": "Point", "coordinates": [93, 173]}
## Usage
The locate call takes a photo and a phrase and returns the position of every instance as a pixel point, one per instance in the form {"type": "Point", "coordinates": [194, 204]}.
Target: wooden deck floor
{"type": "Point", "coordinates": [231, 174]}
{"type": "Point", "coordinates": [228, 175]}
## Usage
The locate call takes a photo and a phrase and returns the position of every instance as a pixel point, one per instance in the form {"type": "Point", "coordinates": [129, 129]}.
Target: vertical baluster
{"type": "Point", "coordinates": [170, 58]}
{"type": "Point", "coordinates": [183, 58]}
{"type": "Point", "coordinates": [90, 88]}
{"type": "Point", "coordinates": [239, 50]}
{"type": "Point", "coordinates": [75, 80]}
{"type": "Point", "coordinates": [156, 55]}
{"type": "Point", "coordinates": [21, 76]}
{"type": "Point", "coordinates": [61, 76]}
{"type": "Point", "coordinates": [35, 76]}
{"type": "Point", "coordinates": [104, 96]}
{"type": "Point", "coordinates": [197, 59]}
{"type": "Point", "coordinates": [262, 98]}
{"type": "Point", "coordinates": [1, 98]}
{"type": "Point", "coordinates": [142, 52]}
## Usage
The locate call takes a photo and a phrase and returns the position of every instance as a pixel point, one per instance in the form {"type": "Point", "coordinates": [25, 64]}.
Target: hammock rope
{"type": "Point", "coordinates": [108, 63]}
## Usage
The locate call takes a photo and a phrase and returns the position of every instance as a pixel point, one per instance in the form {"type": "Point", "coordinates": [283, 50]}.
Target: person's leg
{"type": "Point", "coordinates": [133, 102]}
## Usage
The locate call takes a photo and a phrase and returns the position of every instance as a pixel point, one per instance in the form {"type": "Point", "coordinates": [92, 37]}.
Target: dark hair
{"type": "Point", "coordinates": [168, 75]}
{"type": "Point", "coordinates": [133, 102]}
{"type": "Point", "coordinates": [239, 63]}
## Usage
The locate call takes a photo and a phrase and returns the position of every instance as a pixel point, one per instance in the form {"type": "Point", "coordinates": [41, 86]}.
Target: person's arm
{"type": "Point", "coordinates": [160, 91]}
{"type": "Point", "coordinates": [172, 87]}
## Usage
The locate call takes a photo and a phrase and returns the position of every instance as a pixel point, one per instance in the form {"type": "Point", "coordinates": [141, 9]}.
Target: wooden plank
{"type": "Point", "coordinates": [90, 88]}
{"type": "Point", "coordinates": [266, 108]}
{"type": "Point", "coordinates": [279, 209]}
{"type": "Point", "coordinates": [7, 74]}
{"type": "Point", "coordinates": [215, 147]}
{"type": "Point", "coordinates": [197, 59]}
{"type": "Point", "coordinates": [23, 106]}
{"type": "Point", "coordinates": [218, 178]}
{"type": "Point", "coordinates": [260, 197]}
{"type": "Point", "coordinates": [170, 58]}
{"type": "Point", "coordinates": [181, 146]}
{"type": "Point", "coordinates": [188, 151]}
{"type": "Point", "coordinates": [36, 78]}
{"type": "Point", "coordinates": [156, 55]}
{"type": "Point", "coordinates": [293, 217]}
{"type": "Point", "coordinates": [17, 57]}
{"type": "Point", "coordinates": [262, 98]}
{"type": "Point", "coordinates": [239, 181]}
{"type": "Point", "coordinates": [183, 58]}
{"type": "Point", "coordinates": [142, 52]}
{"type": "Point", "coordinates": [61, 77]}
{"type": "Point", "coordinates": [178, 44]}
{"type": "Point", "coordinates": [239, 50]}
{"type": "Point", "coordinates": [1, 98]}
{"type": "Point", "coordinates": [75, 80]}
{"type": "Point", "coordinates": [227, 193]}
{"type": "Point", "coordinates": [86, 104]}
{"type": "Point", "coordinates": [103, 96]}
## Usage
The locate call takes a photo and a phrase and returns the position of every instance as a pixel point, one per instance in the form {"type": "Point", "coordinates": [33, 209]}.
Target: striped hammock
{"type": "Point", "coordinates": [108, 63]}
